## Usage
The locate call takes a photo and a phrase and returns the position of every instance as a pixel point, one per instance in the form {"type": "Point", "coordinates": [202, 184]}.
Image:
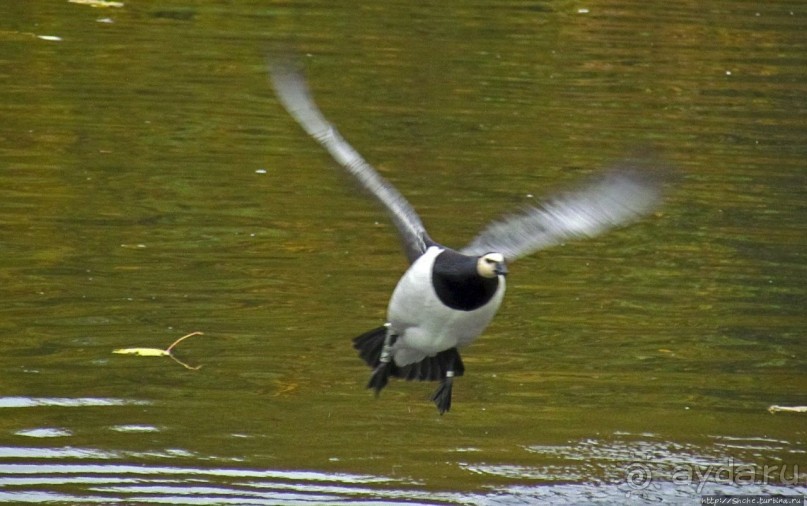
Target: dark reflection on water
{"type": "Point", "coordinates": [150, 186]}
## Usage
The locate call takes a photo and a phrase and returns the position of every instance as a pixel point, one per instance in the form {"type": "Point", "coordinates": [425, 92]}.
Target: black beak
{"type": "Point", "coordinates": [501, 269]}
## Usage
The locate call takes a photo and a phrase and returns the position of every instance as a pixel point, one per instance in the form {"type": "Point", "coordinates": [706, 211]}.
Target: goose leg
{"type": "Point", "coordinates": [442, 396]}
{"type": "Point", "coordinates": [381, 373]}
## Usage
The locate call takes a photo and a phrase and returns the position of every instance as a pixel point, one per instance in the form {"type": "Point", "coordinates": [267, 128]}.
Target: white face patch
{"type": "Point", "coordinates": [490, 265]}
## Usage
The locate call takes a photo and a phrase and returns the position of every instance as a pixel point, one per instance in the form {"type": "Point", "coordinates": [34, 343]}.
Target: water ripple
{"type": "Point", "coordinates": [28, 483]}
{"type": "Point", "coordinates": [70, 402]}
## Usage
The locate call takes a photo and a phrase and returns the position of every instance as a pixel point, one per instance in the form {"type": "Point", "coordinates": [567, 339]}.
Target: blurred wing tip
{"type": "Point", "coordinates": [619, 197]}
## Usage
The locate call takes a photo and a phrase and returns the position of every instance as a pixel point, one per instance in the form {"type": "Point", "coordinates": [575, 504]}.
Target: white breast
{"type": "Point", "coordinates": [424, 325]}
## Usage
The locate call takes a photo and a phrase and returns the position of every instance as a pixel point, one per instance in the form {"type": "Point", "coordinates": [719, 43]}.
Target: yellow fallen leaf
{"type": "Point", "coordinates": [156, 352]}
{"type": "Point", "coordinates": [143, 352]}
{"type": "Point", "coordinates": [787, 409]}
{"type": "Point", "coordinates": [96, 3]}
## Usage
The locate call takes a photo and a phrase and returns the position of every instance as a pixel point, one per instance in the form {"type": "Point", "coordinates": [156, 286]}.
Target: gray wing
{"type": "Point", "coordinates": [293, 93]}
{"type": "Point", "coordinates": [621, 197]}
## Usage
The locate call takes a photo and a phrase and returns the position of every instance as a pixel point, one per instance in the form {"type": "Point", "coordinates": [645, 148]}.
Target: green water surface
{"type": "Point", "coordinates": [151, 186]}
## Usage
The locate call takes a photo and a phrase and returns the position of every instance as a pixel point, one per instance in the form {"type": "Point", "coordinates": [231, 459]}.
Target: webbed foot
{"type": "Point", "coordinates": [382, 371]}
{"type": "Point", "coordinates": [380, 377]}
{"type": "Point", "coordinates": [442, 396]}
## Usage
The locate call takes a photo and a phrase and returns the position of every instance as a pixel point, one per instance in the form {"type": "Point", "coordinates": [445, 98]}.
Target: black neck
{"type": "Point", "coordinates": [458, 283]}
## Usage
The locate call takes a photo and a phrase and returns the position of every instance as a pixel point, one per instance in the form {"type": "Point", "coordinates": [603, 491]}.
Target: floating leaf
{"type": "Point", "coordinates": [97, 3]}
{"type": "Point", "coordinates": [143, 352]}
{"type": "Point", "coordinates": [156, 352]}
{"type": "Point", "coordinates": [787, 409]}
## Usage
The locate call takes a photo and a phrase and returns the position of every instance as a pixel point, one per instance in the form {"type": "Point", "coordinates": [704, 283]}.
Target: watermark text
{"type": "Point", "coordinates": [640, 475]}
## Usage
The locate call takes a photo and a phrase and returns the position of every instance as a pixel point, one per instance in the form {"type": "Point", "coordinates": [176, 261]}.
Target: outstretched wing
{"type": "Point", "coordinates": [622, 196]}
{"type": "Point", "coordinates": [293, 93]}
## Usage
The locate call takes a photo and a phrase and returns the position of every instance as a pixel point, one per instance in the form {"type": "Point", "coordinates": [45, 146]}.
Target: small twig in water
{"type": "Point", "coordinates": [156, 352]}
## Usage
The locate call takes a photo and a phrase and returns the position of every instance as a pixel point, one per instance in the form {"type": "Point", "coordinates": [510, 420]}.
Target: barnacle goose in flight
{"type": "Point", "coordinates": [448, 297]}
